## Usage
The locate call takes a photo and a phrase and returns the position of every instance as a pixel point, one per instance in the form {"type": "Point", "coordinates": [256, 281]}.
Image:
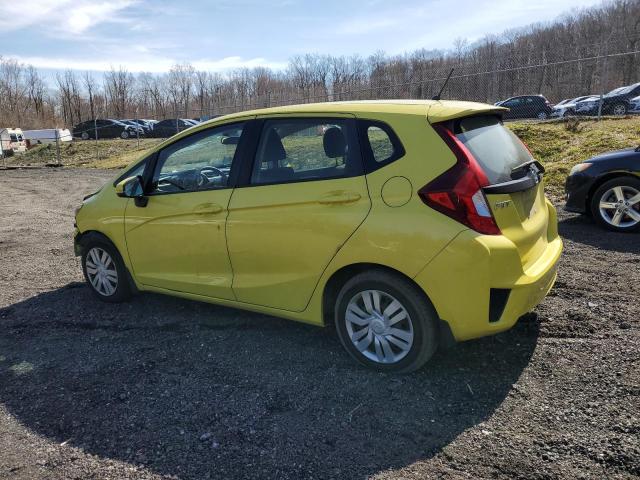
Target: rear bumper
{"type": "Point", "coordinates": [459, 281]}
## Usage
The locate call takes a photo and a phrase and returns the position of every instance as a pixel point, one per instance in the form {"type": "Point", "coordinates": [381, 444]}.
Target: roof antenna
{"type": "Point", "coordinates": [437, 97]}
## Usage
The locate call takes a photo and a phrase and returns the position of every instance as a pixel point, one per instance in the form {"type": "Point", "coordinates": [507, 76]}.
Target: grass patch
{"type": "Point", "coordinates": [559, 148]}
{"type": "Point", "coordinates": [114, 153]}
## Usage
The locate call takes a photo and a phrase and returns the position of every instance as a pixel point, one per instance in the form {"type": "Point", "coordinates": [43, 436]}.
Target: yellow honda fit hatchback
{"type": "Point", "coordinates": [407, 224]}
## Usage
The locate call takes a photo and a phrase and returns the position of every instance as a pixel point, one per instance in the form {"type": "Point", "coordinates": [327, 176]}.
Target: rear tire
{"type": "Point", "coordinates": [84, 136]}
{"type": "Point", "coordinates": [542, 116]}
{"type": "Point", "coordinates": [124, 135]}
{"type": "Point", "coordinates": [395, 332]}
{"type": "Point", "coordinates": [615, 205]}
{"type": "Point", "coordinates": [105, 272]}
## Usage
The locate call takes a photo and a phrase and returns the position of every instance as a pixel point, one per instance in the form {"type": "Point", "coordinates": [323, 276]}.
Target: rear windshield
{"type": "Point", "coordinates": [495, 147]}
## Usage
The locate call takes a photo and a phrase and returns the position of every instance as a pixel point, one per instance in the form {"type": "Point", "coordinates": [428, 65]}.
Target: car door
{"type": "Point", "coordinates": [177, 240]}
{"type": "Point", "coordinates": [303, 197]}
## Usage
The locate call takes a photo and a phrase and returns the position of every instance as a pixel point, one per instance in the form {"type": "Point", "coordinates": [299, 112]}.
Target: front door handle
{"type": "Point", "coordinates": [207, 208]}
{"type": "Point", "coordinates": [339, 197]}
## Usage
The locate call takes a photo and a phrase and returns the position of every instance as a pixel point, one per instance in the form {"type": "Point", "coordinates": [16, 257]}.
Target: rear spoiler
{"type": "Point", "coordinates": [532, 176]}
{"type": "Point", "coordinates": [450, 110]}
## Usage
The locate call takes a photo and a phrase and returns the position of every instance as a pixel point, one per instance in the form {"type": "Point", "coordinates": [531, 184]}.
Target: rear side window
{"type": "Point", "coordinates": [495, 147]}
{"type": "Point", "coordinates": [380, 144]}
{"type": "Point", "coordinates": [303, 149]}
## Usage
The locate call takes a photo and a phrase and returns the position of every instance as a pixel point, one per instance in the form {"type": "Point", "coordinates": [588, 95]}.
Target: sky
{"type": "Point", "coordinates": [222, 35]}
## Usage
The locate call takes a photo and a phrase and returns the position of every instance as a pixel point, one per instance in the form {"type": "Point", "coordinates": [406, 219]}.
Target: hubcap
{"type": "Point", "coordinates": [620, 206]}
{"type": "Point", "coordinates": [619, 110]}
{"type": "Point", "coordinates": [379, 326]}
{"type": "Point", "coordinates": [101, 271]}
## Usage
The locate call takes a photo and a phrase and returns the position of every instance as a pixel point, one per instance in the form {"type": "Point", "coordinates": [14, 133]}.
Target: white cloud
{"type": "Point", "coordinates": [145, 63]}
{"type": "Point", "coordinates": [62, 17]}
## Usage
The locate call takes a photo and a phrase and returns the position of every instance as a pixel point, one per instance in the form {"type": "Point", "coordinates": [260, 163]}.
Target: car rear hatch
{"type": "Point", "coordinates": [509, 193]}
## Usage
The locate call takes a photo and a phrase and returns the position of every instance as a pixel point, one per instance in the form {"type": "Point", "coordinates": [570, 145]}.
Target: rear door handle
{"type": "Point", "coordinates": [207, 208]}
{"type": "Point", "coordinates": [339, 197]}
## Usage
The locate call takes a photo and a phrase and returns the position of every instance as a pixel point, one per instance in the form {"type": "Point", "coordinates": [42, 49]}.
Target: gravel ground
{"type": "Point", "coordinates": [168, 388]}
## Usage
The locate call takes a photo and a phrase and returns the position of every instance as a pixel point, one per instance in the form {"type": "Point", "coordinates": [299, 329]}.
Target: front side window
{"type": "Point", "coordinates": [306, 149]}
{"type": "Point", "coordinates": [199, 162]}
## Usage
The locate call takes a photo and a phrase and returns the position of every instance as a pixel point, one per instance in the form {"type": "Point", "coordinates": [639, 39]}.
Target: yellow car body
{"type": "Point", "coordinates": [285, 249]}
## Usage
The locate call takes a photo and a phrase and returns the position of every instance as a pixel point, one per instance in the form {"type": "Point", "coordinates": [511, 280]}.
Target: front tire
{"type": "Point", "coordinates": [619, 109]}
{"type": "Point", "coordinates": [105, 272]}
{"type": "Point", "coordinates": [84, 136]}
{"type": "Point", "coordinates": [124, 135]}
{"type": "Point", "coordinates": [615, 205]}
{"type": "Point", "coordinates": [542, 116]}
{"type": "Point", "coordinates": [385, 322]}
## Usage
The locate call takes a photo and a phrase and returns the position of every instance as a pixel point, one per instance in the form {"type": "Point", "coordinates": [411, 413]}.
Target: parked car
{"type": "Point", "coordinates": [143, 128]}
{"type": "Point", "coordinates": [350, 226]}
{"type": "Point", "coordinates": [169, 127]}
{"type": "Point", "coordinates": [147, 125]}
{"type": "Point", "coordinates": [634, 105]}
{"type": "Point", "coordinates": [527, 106]}
{"type": "Point", "coordinates": [12, 141]}
{"type": "Point", "coordinates": [566, 107]}
{"type": "Point", "coordinates": [607, 187]}
{"type": "Point", "coordinates": [105, 128]}
{"type": "Point", "coordinates": [46, 135]}
{"type": "Point", "coordinates": [616, 102]}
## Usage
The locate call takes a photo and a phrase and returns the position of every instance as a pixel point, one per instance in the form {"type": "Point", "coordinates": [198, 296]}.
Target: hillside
{"type": "Point", "coordinates": [556, 146]}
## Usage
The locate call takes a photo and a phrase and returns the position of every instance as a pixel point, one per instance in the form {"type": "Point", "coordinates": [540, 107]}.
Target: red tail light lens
{"type": "Point", "coordinates": [457, 193]}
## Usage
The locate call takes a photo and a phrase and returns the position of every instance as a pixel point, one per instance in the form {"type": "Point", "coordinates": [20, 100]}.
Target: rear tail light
{"type": "Point", "coordinates": [458, 193]}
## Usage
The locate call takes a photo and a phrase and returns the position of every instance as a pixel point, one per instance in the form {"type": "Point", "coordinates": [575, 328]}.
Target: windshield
{"type": "Point", "coordinates": [620, 90]}
{"type": "Point", "coordinates": [496, 148]}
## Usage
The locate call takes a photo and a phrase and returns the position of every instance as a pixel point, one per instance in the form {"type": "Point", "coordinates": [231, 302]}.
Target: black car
{"type": "Point", "coordinates": [527, 106]}
{"type": "Point", "coordinates": [146, 128]}
{"type": "Point", "coordinates": [104, 128]}
{"type": "Point", "coordinates": [169, 127]}
{"type": "Point", "coordinates": [607, 187]}
{"type": "Point", "coordinates": [616, 102]}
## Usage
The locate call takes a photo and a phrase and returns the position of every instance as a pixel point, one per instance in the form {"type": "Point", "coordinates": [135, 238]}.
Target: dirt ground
{"type": "Point", "coordinates": [168, 388]}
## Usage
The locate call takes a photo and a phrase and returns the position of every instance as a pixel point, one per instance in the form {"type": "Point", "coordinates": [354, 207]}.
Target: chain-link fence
{"type": "Point", "coordinates": [555, 88]}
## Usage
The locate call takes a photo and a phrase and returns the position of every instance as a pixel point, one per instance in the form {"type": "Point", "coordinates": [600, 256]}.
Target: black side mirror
{"type": "Point", "coordinates": [132, 187]}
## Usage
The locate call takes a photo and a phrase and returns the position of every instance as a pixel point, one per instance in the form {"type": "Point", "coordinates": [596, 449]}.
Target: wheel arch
{"type": "Point", "coordinates": [83, 239]}
{"type": "Point", "coordinates": [338, 278]}
{"type": "Point", "coordinates": [601, 181]}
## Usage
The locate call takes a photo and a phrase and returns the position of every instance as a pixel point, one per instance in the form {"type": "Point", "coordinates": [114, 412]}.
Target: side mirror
{"type": "Point", "coordinates": [130, 187]}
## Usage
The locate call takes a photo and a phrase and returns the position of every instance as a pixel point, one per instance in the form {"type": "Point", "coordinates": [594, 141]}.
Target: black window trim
{"type": "Point", "coordinates": [369, 161]}
{"type": "Point", "coordinates": [244, 179]}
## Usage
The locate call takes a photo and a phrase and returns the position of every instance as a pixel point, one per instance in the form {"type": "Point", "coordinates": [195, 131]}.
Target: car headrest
{"type": "Point", "coordinates": [335, 145]}
{"type": "Point", "coordinates": [273, 150]}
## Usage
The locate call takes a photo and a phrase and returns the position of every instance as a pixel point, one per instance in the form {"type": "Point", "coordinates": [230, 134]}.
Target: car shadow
{"type": "Point", "coordinates": [196, 390]}
{"type": "Point", "coordinates": [582, 229]}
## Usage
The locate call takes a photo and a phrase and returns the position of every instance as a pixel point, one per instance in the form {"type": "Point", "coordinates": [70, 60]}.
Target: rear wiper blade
{"type": "Point", "coordinates": [526, 164]}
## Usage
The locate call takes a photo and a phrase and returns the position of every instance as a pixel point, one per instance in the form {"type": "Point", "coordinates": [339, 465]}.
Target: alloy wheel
{"type": "Point", "coordinates": [619, 109]}
{"type": "Point", "coordinates": [101, 271]}
{"type": "Point", "coordinates": [620, 206]}
{"type": "Point", "coordinates": [379, 326]}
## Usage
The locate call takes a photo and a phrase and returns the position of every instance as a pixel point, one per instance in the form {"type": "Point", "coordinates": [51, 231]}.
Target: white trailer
{"type": "Point", "coordinates": [12, 141]}
{"type": "Point", "coordinates": [47, 135]}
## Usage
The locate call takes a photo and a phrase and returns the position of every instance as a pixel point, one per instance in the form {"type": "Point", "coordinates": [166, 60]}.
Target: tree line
{"type": "Point", "coordinates": [588, 51]}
